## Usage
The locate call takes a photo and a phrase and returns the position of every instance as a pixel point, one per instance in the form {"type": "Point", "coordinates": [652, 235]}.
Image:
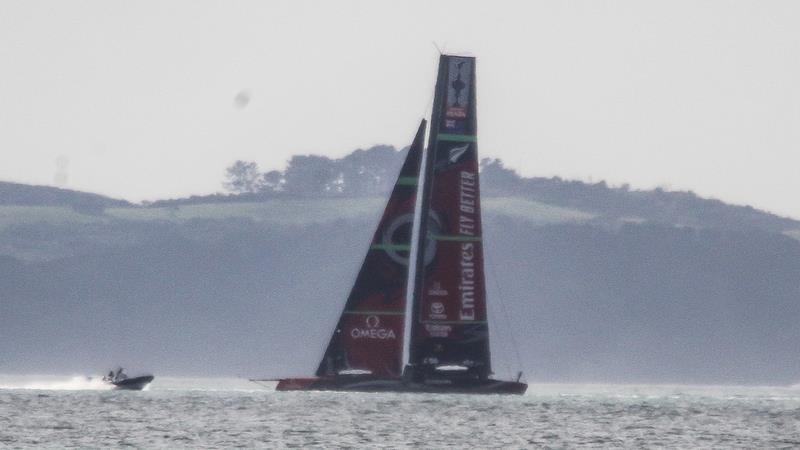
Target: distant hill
{"type": "Point", "coordinates": [656, 205]}
{"type": "Point", "coordinates": [595, 283]}
{"type": "Point", "coordinates": [371, 172]}
{"type": "Point", "coordinates": [27, 195]}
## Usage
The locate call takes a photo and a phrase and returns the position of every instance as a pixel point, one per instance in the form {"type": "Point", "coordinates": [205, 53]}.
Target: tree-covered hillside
{"type": "Point", "coordinates": [593, 283]}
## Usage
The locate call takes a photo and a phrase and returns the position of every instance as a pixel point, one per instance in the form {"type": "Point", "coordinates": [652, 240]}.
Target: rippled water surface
{"type": "Point", "coordinates": [198, 413]}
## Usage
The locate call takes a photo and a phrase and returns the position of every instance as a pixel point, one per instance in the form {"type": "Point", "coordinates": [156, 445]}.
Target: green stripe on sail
{"type": "Point", "coordinates": [457, 238]}
{"type": "Point", "coordinates": [457, 137]}
{"type": "Point", "coordinates": [376, 313]}
{"type": "Point", "coordinates": [407, 181]}
{"type": "Point", "coordinates": [396, 247]}
{"type": "Point", "coordinates": [455, 322]}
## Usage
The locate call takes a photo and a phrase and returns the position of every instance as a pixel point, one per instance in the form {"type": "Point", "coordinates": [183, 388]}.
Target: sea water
{"type": "Point", "coordinates": [58, 412]}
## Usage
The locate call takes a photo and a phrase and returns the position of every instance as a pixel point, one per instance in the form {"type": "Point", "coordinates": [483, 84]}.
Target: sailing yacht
{"type": "Point", "coordinates": [438, 341]}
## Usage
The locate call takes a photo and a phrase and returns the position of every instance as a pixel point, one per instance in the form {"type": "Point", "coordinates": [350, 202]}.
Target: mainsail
{"type": "Point", "coordinates": [369, 335]}
{"type": "Point", "coordinates": [449, 322]}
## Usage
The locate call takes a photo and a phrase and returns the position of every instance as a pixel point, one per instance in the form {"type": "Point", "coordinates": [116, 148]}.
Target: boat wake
{"type": "Point", "coordinates": [54, 383]}
{"type": "Point", "coordinates": [162, 383]}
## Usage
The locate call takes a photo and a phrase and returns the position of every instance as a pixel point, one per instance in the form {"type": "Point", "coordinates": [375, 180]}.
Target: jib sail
{"type": "Point", "coordinates": [449, 323]}
{"type": "Point", "coordinates": [369, 334]}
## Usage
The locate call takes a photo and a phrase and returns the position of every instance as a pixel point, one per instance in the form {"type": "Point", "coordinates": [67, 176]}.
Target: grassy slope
{"type": "Point", "coordinates": [274, 211]}
{"type": "Point", "coordinates": [54, 215]}
{"type": "Point", "coordinates": [793, 233]}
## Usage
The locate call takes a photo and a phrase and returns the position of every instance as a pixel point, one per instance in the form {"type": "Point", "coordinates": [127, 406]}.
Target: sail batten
{"type": "Point", "coordinates": [457, 238]}
{"type": "Point", "coordinates": [457, 138]}
{"type": "Point", "coordinates": [403, 247]}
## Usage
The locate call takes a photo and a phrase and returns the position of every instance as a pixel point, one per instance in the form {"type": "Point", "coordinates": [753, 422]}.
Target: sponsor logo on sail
{"type": "Point", "coordinates": [436, 290]}
{"type": "Point", "coordinates": [437, 311]}
{"type": "Point", "coordinates": [373, 321]}
{"type": "Point", "coordinates": [467, 227]}
{"type": "Point", "coordinates": [436, 330]}
{"type": "Point", "coordinates": [459, 76]}
{"type": "Point", "coordinates": [456, 112]}
{"type": "Point", "coordinates": [434, 228]}
{"type": "Point", "coordinates": [466, 284]}
{"type": "Point", "coordinates": [396, 229]}
{"type": "Point", "coordinates": [455, 125]}
{"type": "Point", "coordinates": [457, 152]}
{"type": "Point", "coordinates": [373, 330]}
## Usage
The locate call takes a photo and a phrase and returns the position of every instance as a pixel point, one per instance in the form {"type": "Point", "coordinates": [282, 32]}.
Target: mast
{"type": "Point", "coordinates": [424, 210]}
{"type": "Point", "coordinates": [411, 292]}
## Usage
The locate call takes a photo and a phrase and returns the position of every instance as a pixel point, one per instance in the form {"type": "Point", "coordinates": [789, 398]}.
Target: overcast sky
{"type": "Point", "coordinates": [139, 99]}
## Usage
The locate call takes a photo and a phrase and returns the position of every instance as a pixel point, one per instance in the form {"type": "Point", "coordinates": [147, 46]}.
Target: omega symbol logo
{"type": "Point", "coordinates": [373, 322]}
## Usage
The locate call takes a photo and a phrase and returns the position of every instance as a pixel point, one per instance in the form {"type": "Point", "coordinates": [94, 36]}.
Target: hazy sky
{"type": "Point", "coordinates": [138, 99]}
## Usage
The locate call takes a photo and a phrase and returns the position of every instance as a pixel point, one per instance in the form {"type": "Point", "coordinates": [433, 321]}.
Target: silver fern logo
{"type": "Point", "coordinates": [457, 152]}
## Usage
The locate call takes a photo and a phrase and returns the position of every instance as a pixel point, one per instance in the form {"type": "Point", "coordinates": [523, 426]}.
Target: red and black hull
{"type": "Point", "coordinates": [373, 384]}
